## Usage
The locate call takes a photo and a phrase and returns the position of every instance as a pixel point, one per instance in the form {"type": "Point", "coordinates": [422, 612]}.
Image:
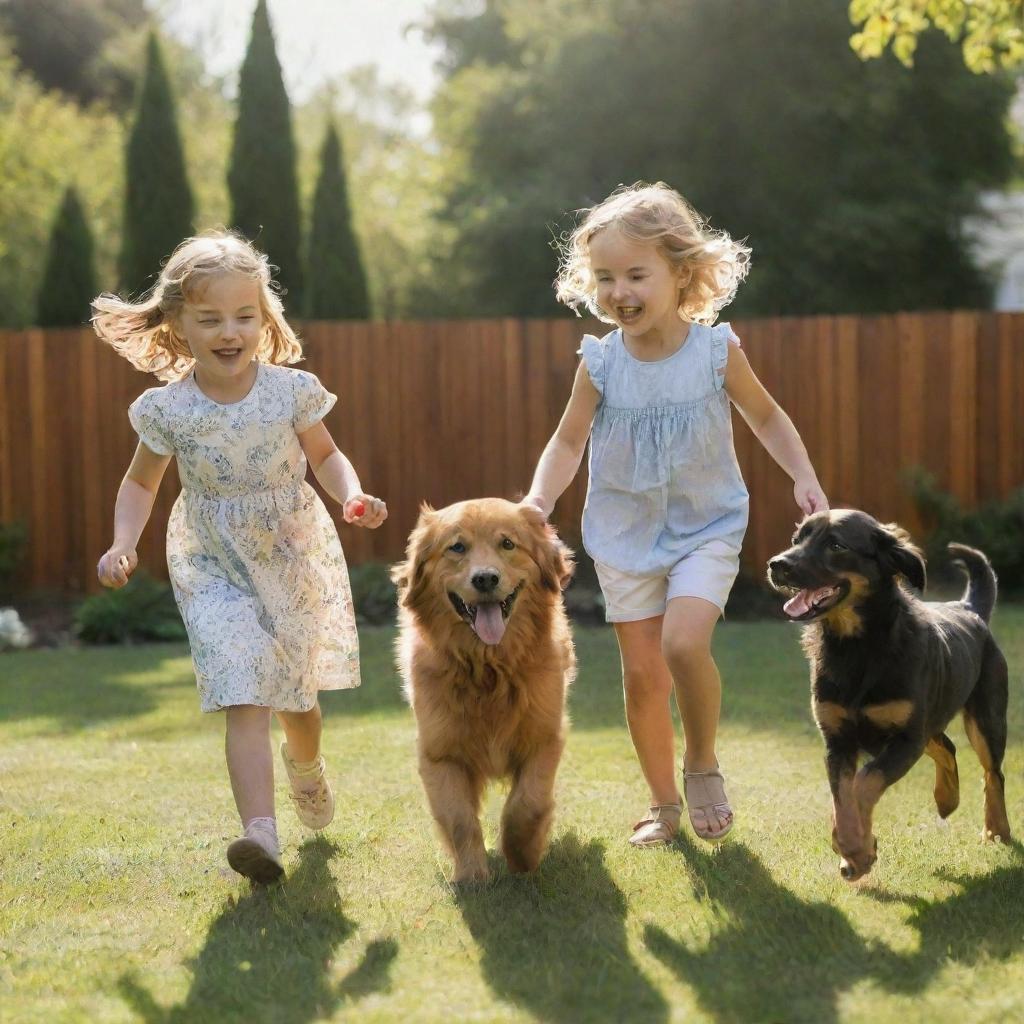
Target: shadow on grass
{"type": "Point", "coordinates": [778, 957]}
{"type": "Point", "coordinates": [982, 921]}
{"type": "Point", "coordinates": [68, 690]}
{"type": "Point", "coordinates": [555, 943]}
{"type": "Point", "coordinates": [267, 957]}
{"type": "Point", "coordinates": [774, 956]}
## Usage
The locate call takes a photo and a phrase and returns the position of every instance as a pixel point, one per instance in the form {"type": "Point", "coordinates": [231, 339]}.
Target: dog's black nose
{"type": "Point", "coordinates": [779, 567]}
{"type": "Point", "coordinates": [485, 580]}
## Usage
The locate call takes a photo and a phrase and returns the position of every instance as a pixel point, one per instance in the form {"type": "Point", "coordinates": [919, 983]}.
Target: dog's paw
{"type": "Point", "coordinates": [471, 875]}
{"type": "Point", "coordinates": [858, 864]}
{"type": "Point", "coordinates": [990, 836]}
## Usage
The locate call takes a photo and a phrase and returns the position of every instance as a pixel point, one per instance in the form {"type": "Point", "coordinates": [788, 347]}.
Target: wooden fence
{"type": "Point", "coordinates": [440, 411]}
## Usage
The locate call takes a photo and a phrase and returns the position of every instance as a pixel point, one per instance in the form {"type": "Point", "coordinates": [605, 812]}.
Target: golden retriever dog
{"type": "Point", "coordinates": [486, 655]}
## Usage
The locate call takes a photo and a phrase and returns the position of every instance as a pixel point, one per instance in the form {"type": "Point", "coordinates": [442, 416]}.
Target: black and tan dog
{"type": "Point", "coordinates": [889, 672]}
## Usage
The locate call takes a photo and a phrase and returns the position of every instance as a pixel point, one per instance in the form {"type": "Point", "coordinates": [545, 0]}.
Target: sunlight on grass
{"type": "Point", "coordinates": [116, 903]}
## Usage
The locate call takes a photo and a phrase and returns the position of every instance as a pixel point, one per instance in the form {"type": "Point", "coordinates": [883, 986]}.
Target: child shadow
{"type": "Point", "coordinates": [774, 956]}
{"type": "Point", "coordinates": [267, 957]}
{"type": "Point", "coordinates": [554, 943]}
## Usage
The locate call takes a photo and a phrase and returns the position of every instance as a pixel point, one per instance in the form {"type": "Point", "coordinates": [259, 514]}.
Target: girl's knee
{"type": "Point", "coordinates": [644, 683]}
{"type": "Point", "coordinates": [683, 651]}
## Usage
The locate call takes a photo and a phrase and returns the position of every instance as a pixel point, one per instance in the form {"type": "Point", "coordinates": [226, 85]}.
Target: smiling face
{"type": "Point", "coordinates": [636, 285]}
{"type": "Point", "coordinates": [222, 324]}
{"type": "Point", "coordinates": [471, 566]}
{"type": "Point", "coordinates": [839, 558]}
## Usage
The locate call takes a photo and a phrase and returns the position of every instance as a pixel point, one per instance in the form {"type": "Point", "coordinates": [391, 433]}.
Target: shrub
{"type": "Point", "coordinates": [373, 594]}
{"type": "Point", "coordinates": [995, 527]}
{"type": "Point", "coordinates": [143, 610]}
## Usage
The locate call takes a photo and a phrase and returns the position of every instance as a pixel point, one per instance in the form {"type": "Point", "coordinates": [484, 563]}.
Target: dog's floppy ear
{"type": "Point", "coordinates": [898, 555]}
{"type": "Point", "coordinates": [553, 558]}
{"type": "Point", "coordinates": [410, 576]}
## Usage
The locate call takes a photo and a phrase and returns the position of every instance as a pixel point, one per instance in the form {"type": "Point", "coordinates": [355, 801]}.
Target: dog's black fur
{"type": "Point", "coordinates": [889, 671]}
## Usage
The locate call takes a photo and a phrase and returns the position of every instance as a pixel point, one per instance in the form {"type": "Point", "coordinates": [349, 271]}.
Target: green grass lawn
{"type": "Point", "coordinates": [116, 903]}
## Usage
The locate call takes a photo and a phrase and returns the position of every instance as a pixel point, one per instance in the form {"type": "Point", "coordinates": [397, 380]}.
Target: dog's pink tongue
{"type": "Point", "coordinates": [489, 624]}
{"type": "Point", "coordinates": [799, 605]}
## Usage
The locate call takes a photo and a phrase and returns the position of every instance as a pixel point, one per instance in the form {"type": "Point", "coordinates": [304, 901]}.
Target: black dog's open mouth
{"type": "Point", "coordinates": [811, 603]}
{"type": "Point", "coordinates": [488, 619]}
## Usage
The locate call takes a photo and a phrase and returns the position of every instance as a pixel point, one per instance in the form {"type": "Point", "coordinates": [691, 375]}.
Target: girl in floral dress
{"type": "Point", "coordinates": [254, 558]}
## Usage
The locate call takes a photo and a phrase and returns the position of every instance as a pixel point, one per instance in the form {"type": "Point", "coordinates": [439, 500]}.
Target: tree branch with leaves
{"type": "Point", "coordinates": [991, 32]}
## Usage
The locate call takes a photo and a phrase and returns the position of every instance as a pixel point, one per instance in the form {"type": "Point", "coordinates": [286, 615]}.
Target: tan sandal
{"type": "Point", "coordinates": [659, 827]}
{"type": "Point", "coordinates": [705, 793]}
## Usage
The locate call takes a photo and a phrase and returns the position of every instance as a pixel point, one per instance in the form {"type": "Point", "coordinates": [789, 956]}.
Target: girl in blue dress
{"type": "Point", "coordinates": [666, 507]}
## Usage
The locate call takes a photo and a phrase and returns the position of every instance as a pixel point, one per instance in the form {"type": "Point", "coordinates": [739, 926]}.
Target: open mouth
{"type": "Point", "coordinates": [809, 604]}
{"type": "Point", "coordinates": [627, 314]}
{"type": "Point", "coordinates": [227, 354]}
{"type": "Point", "coordinates": [487, 619]}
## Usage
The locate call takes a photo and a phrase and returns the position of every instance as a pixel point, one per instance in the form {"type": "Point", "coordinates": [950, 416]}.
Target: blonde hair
{"type": "Point", "coordinates": [712, 263]}
{"type": "Point", "coordinates": [143, 331]}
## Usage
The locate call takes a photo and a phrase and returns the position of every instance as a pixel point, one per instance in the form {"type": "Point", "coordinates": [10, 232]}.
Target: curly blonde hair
{"type": "Point", "coordinates": [712, 263]}
{"type": "Point", "coordinates": [144, 331]}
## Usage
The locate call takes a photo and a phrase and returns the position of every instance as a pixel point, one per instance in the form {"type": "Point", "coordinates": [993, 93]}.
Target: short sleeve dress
{"type": "Point", "coordinates": [664, 479]}
{"type": "Point", "coordinates": [254, 557]}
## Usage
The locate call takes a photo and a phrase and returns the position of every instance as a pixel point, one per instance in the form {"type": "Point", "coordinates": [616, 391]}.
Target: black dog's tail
{"type": "Point", "coordinates": [980, 595]}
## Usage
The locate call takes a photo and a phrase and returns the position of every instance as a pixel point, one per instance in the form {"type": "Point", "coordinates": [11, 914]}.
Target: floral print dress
{"type": "Point", "coordinates": [254, 557]}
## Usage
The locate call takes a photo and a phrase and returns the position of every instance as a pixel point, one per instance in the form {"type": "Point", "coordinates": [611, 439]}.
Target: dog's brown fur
{"type": "Point", "coordinates": [486, 711]}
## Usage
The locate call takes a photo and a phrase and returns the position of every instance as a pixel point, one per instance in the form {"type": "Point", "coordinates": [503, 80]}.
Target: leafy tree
{"type": "Point", "coordinates": [262, 176]}
{"type": "Point", "coordinates": [851, 180]}
{"type": "Point", "coordinates": [392, 174]}
{"type": "Point", "coordinates": [992, 31]}
{"type": "Point", "coordinates": [336, 281]}
{"type": "Point", "coordinates": [43, 135]}
{"type": "Point", "coordinates": [69, 278]}
{"type": "Point", "coordinates": [70, 44]}
{"type": "Point", "coordinates": [158, 205]}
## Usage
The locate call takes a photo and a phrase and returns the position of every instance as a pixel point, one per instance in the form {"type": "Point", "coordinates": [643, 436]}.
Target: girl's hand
{"type": "Point", "coordinates": [809, 495]}
{"type": "Point", "coordinates": [116, 566]}
{"type": "Point", "coordinates": [536, 501]}
{"type": "Point", "coordinates": [364, 510]}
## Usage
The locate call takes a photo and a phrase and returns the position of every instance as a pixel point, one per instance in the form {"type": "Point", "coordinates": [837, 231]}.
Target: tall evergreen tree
{"type": "Point", "coordinates": [335, 278]}
{"type": "Point", "coordinates": [69, 280]}
{"type": "Point", "coordinates": [158, 205]}
{"type": "Point", "coordinates": [261, 176]}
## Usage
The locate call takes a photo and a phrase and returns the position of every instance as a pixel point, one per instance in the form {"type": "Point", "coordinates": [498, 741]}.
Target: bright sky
{"type": "Point", "coordinates": [317, 40]}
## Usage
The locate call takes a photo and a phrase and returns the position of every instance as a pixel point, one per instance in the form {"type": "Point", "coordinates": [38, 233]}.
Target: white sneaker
{"type": "Point", "coordinates": [311, 792]}
{"type": "Point", "coordinates": [256, 855]}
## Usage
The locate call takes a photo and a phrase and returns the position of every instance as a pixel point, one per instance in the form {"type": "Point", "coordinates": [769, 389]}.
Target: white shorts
{"type": "Point", "coordinates": [707, 572]}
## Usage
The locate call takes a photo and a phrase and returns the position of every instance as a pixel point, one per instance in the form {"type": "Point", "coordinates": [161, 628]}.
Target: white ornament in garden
{"type": "Point", "coordinates": [13, 632]}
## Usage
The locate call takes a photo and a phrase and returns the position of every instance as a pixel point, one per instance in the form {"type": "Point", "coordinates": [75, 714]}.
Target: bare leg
{"type": "Point", "coordinates": [302, 730]}
{"type": "Point", "coordinates": [250, 765]}
{"type": "Point", "coordinates": [647, 686]}
{"type": "Point", "coordinates": [686, 646]}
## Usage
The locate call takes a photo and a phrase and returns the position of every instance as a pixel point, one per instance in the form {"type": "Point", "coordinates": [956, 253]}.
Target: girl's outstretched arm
{"type": "Point", "coordinates": [338, 478]}
{"type": "Point", "coordinates": [774, 429]}
{"type": "Point", "coordinates": [132, 509]}
{"type": "Point", "coordinates": [564, 452]}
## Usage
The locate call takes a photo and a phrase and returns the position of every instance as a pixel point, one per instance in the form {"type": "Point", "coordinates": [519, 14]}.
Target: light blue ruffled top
{"type": "Point", "coordinates": [663, 472]}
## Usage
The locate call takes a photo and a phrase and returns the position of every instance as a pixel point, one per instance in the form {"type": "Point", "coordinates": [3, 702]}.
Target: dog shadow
{"type": "Point", "coordinates": [267, 956]}
{"type": "Point", "coordinates": [780, 957]}
{"type": "Point", "coordinates": [555, 944]}
{"type": "Point", "coordinates": [981, 921]}
{"type": "Point", "coordinates": [764, 960]}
